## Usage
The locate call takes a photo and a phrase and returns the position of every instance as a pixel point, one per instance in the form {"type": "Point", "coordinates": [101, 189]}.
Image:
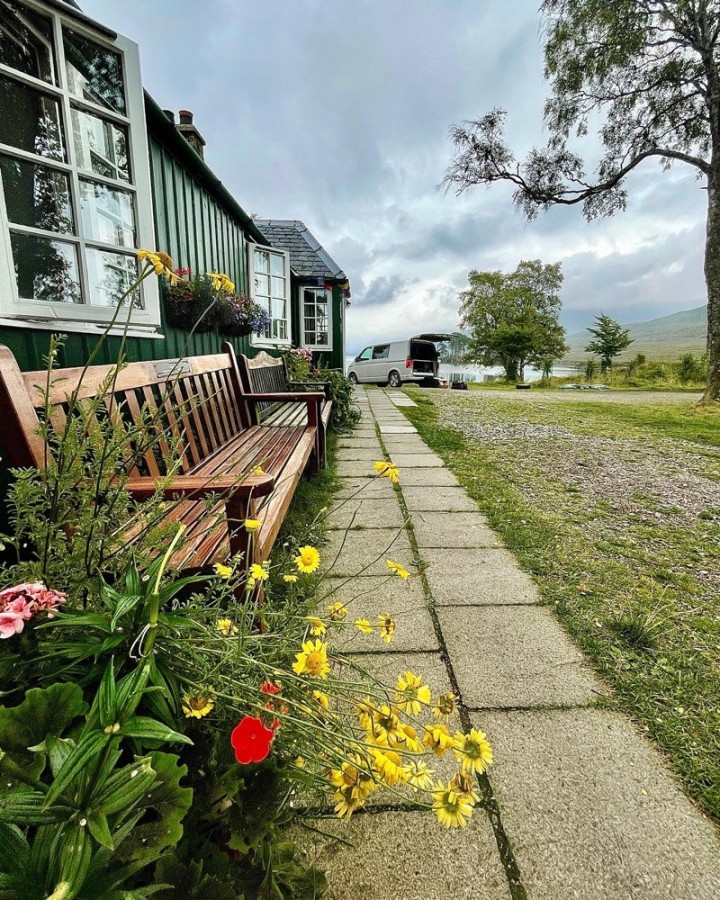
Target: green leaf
{"type": "Point", "coordinates": [14, 848]}
{"type": "Point", "coordinates": [144, 728]}
{"type": "Point", "coordinates": [133, 584]}
{"type": "Point", "coordinates": [58, 750]}
{"type": "Point", "coordinates": [107, 696]}
{"type": "Point", "coordinates": [174, 587]}
{"type": "Point", "coordinates": [43, 712]}
{"type": "Point", "coordinates": [98, 827]}
{"type": "Point", "coordinates": [123, 789]}
{"type": "Point", "coordinates": [75, 855]}
{"type": "Point", "coordinates": [130, 689]}
{"type": "Point", "coordinates": [170, 803]}
{"type": "Point", "coordinates": [28, 808]}
{"type": "Point", "coordinates": [87, 748]}
{"type": "Point", "coordinates": [125, 605]}
{"type": "Point", "coordinates": [79, 620]}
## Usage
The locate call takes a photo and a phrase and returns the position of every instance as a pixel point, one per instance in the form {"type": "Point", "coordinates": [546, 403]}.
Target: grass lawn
{"type": "Point", "coordinates": [613, 504]}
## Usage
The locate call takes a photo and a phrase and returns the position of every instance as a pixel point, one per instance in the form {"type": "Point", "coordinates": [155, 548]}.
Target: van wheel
{"type": "Point", "coordinates": [394, 379]}
{"type": "Point", "coordinates": [353, 377]}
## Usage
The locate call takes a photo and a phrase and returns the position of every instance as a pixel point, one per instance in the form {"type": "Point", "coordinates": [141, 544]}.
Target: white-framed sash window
{"type": "Point", "coordinates": [270, 287]}
{"type": "Point", "coordinates": [75, 200]}
{"type": "Point", "coordinates": [316, 315]}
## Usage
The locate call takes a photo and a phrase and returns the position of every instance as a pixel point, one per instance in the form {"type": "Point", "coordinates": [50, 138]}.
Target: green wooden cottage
{"type": "Point", "coordinates": [91, 168]}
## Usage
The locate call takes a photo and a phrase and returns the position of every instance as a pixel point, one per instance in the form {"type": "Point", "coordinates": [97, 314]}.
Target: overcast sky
{"type": "Point", "coordinates": [336, 112]}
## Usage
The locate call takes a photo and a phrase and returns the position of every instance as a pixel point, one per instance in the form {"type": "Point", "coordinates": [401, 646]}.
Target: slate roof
{"type": "Point", "coordinates": [308, 258]}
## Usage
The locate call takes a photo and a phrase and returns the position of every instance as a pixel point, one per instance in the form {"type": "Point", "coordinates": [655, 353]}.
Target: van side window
{"type": "Point", "coordinates": [365, 354]}
{"type": "Point", "coordinates": [381, 352]}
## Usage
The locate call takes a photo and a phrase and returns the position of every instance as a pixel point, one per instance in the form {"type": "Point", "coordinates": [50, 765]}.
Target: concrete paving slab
{"type": "Point", "coordinates": [417, 460]}
{"type": "Point", "coordinates": [435, 499]}
{"type": "Point", "coordinates": [397, 429]}
{"type": "Point", "coordinates": [452, 530]}
{"type": "Point", "coordinates": [356, 467]}
{"type": "Point", "coordinates": [369, 454]}
{"type": "Point", "coordinates": [366, 598]}
{"type": "Point", "coordinates": [591, 812]}
{"type": "Point", "coordinates": [403, 401]}
{"type": "Point", "coordinates": [367, 513]}
{"type": "Point", "coordinates": [467, 577]}
{"type": "Point", "coordinates": [406, 855]}
{"type": "Point", "coordinates": [404, 443]}
{"type": "Point", "coordinates": [365, 552]}
{"type": "Point", "coordinates": [428, 478]}
{"type": "Point", "coordinates": [354, 443]}
{"type": "Point", "coordinates": [515, 656]}
{"type": "Point", "coordinates": [369, 487]}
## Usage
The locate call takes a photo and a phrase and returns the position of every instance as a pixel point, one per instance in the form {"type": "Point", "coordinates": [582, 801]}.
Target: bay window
{"type": "Point", "coordinates": [270, 285]}
{"type": "Point", "coordinates": [75, 198]}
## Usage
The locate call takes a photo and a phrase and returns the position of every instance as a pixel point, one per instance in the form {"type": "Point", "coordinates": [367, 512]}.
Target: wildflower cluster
{"type": "Point", "coordinates": [23, 602]}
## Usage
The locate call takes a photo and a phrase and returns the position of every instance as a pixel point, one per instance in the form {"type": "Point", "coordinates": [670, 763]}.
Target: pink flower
{"type": "Point", "coordinates": [11, 623]}
{"type": "Point", "coordinates": [21, 608]}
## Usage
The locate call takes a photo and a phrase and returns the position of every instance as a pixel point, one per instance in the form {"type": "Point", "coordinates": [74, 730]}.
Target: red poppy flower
{"type": "Point", "coordinates": [267, 687]}
{"type": "Point", "coordinates": [251, 740]}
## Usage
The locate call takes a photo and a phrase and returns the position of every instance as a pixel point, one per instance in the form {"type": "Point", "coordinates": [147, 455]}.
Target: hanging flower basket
{"type": "Point", "coordinates": [193, 305]}
{"type": "Point", "coordinates": [239, 316]}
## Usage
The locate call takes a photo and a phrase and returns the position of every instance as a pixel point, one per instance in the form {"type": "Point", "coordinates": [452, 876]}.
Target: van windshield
{"type": "Point", "coordinates": [423, 350]}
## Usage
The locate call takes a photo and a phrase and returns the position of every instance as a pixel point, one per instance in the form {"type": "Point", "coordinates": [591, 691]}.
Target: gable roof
{"type": "Point", "coordinates": [308, 258]}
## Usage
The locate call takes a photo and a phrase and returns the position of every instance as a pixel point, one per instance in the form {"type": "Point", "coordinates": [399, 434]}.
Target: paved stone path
{"type": "Point", "coordinates": [578, 803]}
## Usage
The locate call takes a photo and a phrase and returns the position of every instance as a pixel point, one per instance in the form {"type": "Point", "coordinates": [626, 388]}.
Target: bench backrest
{"type": "Point", "coordinates": [194, 404]}
{"type": "Point", "coordinates": [263, 374]}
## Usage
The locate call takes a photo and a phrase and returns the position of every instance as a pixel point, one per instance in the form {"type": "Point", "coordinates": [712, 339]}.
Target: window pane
{"type": "Point", "coordinates": [322, 338]}
{"type": "Point", "coordinates": [45, 269]}
{"type": "Point", "coordinates": [94, 72]}
{"type": "Point", "coordinates": [279, 329]}
{"type": "Point", "coordinates": [36, 196]}
{"type": "Point", "coordinates": [278, 287]}
{"type": "Point", "coordinates": [262, 261]}
{"type": "Point", "coordinates": [109, 276]}
{"type": "Point", "coordinates": [30, 120]}
{"type": "Point", "coordinates": [277, 264]}
{"type": "Point", "coordinates": [262, 284]}
{"type": "Point", "coordinates": [278, 309]}
{"type": "Point", "coordinates": [26, 41]}
{"type": "Point", "coordinates": [310, 337]}
{"type": "Point", "coordinates": [107, 214]}
{"type": "Point", "coordinates": [100, 146]}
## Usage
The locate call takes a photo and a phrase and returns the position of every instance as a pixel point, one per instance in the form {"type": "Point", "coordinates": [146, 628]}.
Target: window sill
{"type": "Point", "coordinates": [68, 327]}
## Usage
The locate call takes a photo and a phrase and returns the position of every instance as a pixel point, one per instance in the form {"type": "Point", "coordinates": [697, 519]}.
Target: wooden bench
{"type": "Point", "coordinates": [264, 373]}
{"type": "Point", "coordinates": [196, 404]}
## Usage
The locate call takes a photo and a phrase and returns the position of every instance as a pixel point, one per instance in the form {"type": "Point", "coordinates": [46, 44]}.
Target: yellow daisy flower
{"type": "Point", "coordinates": [397, 569]}
{"type": "Point", "coordinates": [299, 762]}
{"type": "Point", "coordinates": [308, 559]}
{"type": "Point", "coordinates": [411, 694]}
{"type": "Point", "coordinates": [196, 706]}
{"type": "Point", "coordinates": [363, 626]}
{"type": "Point", "coordinates": [259, 572]}
{"type": "Point", "coordinates": [252, 525]}
{"type": "Point", "coordinates": [291, 579]}
{"type": "Point", "coordinates": [337, 611]}
{"type": "Point", "coordinates": [451, 809]}
{"type": "Point", "coordinates": [387, 626]}
{"type": "Point", "coordinates": [385, 728]}
{"type": "Point", "coordinates": [464, 786]}
{"type": "Point", "coordinates": [312, 660]}
{"type": "Point", "coordinates": [317, 626]}
{"type": "Point", "coordinates": [444, 706]}
{"type": "Point", "coordinates": [223, 571]}
{"type": "Point", "coordinates": [473, 751]}
{"type": "Point", "coordinates": [387, 470]}
{"type": "Point", "coordinates": [410, 738]}
{"type": "Point", "coordinates": [438, 739]}
{"type": "Point", "coordinates": [323, 699]}
{"type": "Point", "coordinates": [226, 627]}
{"type": "Point", "coordinates": [220, 281]}
{"type": "Point", "coordinates": [419, 774]}
{"type": "Point", "coordinates": [388, 765]}
{"type": "Point", "coordinates": [258, 470]}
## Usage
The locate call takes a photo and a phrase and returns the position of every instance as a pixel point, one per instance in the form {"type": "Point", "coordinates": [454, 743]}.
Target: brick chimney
{"type": "Point", "coordinates": [190, 132]}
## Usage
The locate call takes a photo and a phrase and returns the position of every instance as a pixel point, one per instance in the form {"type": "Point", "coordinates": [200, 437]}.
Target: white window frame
{"type": "Point", "coordinates": [317, 290]}
{"type": "Point", "coordinates": [260, 340]}
{"type": "Point", "coordinates": [84, 316]}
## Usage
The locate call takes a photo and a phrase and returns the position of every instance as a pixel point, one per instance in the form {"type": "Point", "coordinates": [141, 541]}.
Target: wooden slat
{"type": "Point", "coordinates": [148, 456]}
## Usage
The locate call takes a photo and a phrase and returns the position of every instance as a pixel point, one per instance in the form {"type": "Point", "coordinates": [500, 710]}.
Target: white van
{"type": "Point", "coordinates": [415, 359]}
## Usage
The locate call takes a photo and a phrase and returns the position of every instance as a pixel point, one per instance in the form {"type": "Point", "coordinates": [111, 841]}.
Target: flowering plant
{"type": "Point", "coordinates": [239, 315]}
{"type": "Point", "coordinates": [195, 304]}
{"type": "Point", "coordinates": [23, 602]}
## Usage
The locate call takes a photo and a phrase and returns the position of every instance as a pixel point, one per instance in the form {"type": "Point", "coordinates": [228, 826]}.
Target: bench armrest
{"type": "Point", "coordinates": [195, 487]}
{"type": "Point", "coordinates": [325, 385]}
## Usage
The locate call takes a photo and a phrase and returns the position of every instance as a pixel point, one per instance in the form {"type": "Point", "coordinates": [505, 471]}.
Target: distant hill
{"type": "Point", "coordinates": [665, 338]}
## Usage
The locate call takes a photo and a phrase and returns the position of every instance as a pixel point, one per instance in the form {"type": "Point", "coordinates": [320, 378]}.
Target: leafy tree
{"type": "Point", "coordinates": [454, 350]}
{"type": "Point", "coordinates": [513, 318]}
{"type": "Point", "coordinates": [648, 73]}
{"type": "Point", "coordinates": [610, 340]}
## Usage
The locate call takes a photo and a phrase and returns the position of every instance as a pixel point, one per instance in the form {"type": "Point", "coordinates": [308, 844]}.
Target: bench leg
{"type": "Point", "coordinates": [238, 510]}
